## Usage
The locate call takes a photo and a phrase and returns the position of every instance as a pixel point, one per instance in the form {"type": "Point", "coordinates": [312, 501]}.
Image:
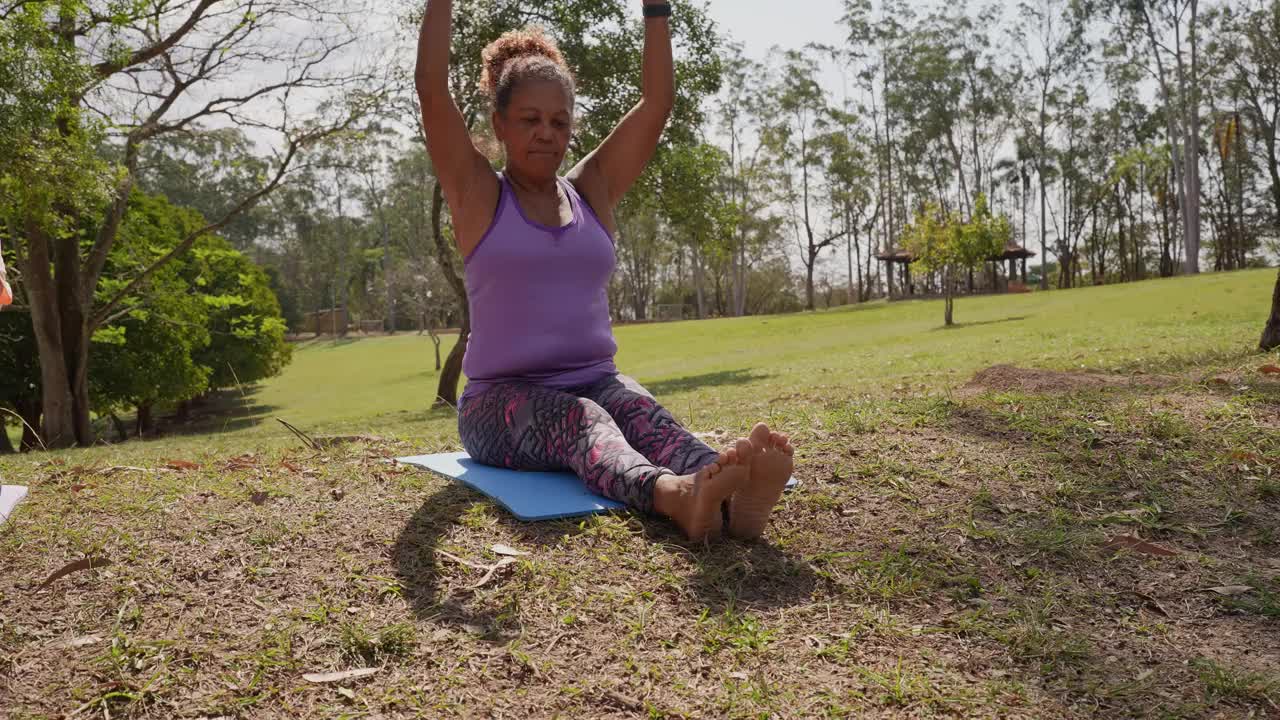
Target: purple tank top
{"type": "Point", "coordinates": [539, 299]}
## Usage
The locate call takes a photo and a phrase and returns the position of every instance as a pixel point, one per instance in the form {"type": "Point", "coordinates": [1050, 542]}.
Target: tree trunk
{"type": "Point", "coordinates": [6, 445]}
{"type": "Point", "coordinates": [30, 412]}
{"type": "Point", "coordinates": [848, 298]}
{"type": "Point", "coordinates": [122, 432]}
{"type": "Point", "coordinates": [145, 425]}
{"type": "Point", "coordinates": [447, 390]}
{"type": "Point", "coordinates": [697, 282]}
{"type": "Point", "coordinates": [56, 395]}
{"type": "Point", "coordinates": [947, 293]}
{"type": "Point", "coordinates": [386, 274]}
{"type": "Point", "coordinates": [808, 277]}
{"type": "Point", "coordinates": [1271, 334]}
{"type": "Point", "coordinates": [1191, 128]}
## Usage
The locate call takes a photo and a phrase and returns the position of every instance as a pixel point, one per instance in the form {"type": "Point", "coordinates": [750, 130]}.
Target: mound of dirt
{"type": "Point", "coordinates": [1007, 378]}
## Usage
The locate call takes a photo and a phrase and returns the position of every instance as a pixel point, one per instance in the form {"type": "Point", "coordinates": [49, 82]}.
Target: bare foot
{"type": "Point", "coordinates": [771, 467]}
{"type": "Point", "coordinates": [693, 501]}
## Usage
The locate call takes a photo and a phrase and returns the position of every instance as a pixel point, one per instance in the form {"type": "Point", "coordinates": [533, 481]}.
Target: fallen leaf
{"type": "Point", "coordinates": [182, 465]}
{"type": "Point", "coordinates": [347, 693]}
{"type": "Point", "coordinates": [78, 487]}
{"type": "Point", "coordinates": [77, 642]}
{"type": "Point", "coordinates": [507, 550]}
{"type": "Point", "coordinates": [247, 461]}
{"type": "Point", "coordinates": [504, 562]}
{"type": "Point", "coordinates": [1269, 370]}
{"type": "Point", "coordinates": [77, 566]}
{"type": "Point", "coordinates": [1230, 590]}
{"type": "Point", "coordinates": [259, 498]}
{"type": "Point", "coordinates": [339, 676]}
{"type": "Point", "coordinates": [624, 700]}
{"type": "Point", "coordinates": [107, 471]}
{"type": "Point", "coordinates": [337, 493]}
{"type": "Point", "coordinates": [336, 440]}
{"type": "Point", "coordinates": [738, 675]}
{"type": "Point", "coordinates": [290, 466]}
{"type": "Point", "coordinates": [1136, 544]}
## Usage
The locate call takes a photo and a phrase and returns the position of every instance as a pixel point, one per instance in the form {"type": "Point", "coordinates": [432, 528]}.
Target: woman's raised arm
{"type": "Point", "coordinates": [459, 166]}
{"type": "Point", "coordinates": [610, 170]}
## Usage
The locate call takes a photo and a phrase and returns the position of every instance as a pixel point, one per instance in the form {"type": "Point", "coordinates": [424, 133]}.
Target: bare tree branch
{"type": "Point", "coordinates": [146, 54]}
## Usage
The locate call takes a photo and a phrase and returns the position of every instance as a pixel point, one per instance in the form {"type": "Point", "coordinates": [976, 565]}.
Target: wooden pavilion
{"type": "Point", "coordinates": [898, 271]}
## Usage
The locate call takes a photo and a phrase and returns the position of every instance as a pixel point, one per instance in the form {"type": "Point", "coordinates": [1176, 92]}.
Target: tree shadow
{"type": "Point", "coordinates": [695, 382]}
{"type": "Point", "coordinates": [221, 411]}
{"type": "Point", "coordinates": [326, 342]}
{"type": "Point", "coordinates": [980, 323]}
{"type": "Point", "coordinates": [729, 574]}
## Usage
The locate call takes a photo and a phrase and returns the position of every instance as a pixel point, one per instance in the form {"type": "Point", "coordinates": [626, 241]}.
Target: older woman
{"type": "Point", "coordinates": [543, 392]}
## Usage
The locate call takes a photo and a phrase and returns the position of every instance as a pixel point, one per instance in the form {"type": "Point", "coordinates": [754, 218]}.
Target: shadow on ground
{"type": "Point", "coordinates": [981, 323]}
{"type": "Point", "coordinates": [726, 575]}
{"type": "Point", "coordinates": [724, 378]}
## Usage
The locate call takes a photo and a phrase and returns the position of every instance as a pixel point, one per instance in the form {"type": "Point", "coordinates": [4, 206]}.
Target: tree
{"type": "Point", "coordinates": [741, 107]}
{"type": "Point", "coordinates": [1255, 61]}
{"type": "Point", "coordinates": [145, 354]}
{"type": "Point", "coordinates": [1170, 30]}
{"type": "Point", "coordinates": [851, 190]}
{"type": "Point", "coordinates": [1053, 50]}
{"type": "Point", "coordinates": [941, 242]}
{"type": "Point", "coordinates": [696, 208]}
{"type": "Point", "coordinates": [800, 103]}
{"type": "Point", "coordinates": [157, 68]}
{"type": "Point", "coordinates": [206, 321]}
{"type": "Point", "coordinates": [243, 316]}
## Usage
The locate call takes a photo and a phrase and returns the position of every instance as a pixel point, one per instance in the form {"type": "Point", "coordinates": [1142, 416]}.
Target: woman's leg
{"type": "Point", "coordinates": [657, 435]}
{"type": "Point", "coordinates": [528, 427]}
{"type": "Point", "coordinates": [649, 427]}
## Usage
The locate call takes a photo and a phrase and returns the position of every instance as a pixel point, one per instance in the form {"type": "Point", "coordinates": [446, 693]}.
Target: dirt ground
{"type": "Point", "coordinates": [1035, 544]}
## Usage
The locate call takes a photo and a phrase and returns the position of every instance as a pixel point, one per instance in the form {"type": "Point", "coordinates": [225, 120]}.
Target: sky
{"type": "Point", "coordinates": [761, 24]}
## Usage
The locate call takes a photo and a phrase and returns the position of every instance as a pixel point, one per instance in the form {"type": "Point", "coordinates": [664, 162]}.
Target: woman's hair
{"type": "Point", "coordinates": [521, 55]}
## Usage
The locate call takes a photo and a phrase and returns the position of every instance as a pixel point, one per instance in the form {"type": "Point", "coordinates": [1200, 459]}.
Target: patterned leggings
{"type": "Point", "coordinates": [613, 434]}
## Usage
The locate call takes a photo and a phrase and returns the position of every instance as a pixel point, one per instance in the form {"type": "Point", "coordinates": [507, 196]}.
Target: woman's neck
{"type": "Point", "coordinates": [530, 184]}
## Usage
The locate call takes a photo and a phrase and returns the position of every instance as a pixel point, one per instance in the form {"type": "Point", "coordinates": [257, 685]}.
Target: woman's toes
{"type": "Point", "coordinates": [760, 435]}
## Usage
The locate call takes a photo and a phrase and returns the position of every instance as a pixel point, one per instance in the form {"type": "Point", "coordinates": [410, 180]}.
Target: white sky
{"type": "Point", "coordinates": [761, 24]}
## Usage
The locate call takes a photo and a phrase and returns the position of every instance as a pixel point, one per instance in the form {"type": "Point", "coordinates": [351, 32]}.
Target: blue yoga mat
{"type": "Point", "coordinates": [530, 496]}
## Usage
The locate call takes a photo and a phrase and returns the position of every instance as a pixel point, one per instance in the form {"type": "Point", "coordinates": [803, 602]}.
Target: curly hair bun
{"type": "Point", "coordinates": [519, 50]}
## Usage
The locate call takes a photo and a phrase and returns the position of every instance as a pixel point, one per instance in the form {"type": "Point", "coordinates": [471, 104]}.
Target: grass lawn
{"type": "Point", "coordinates": [960, 545]}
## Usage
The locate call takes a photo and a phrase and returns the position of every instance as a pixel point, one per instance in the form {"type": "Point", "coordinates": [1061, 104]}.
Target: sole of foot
{"type": "Point", "coordinates": [771, 467]}
{"type": "Point", "coordinates": [697, 508]}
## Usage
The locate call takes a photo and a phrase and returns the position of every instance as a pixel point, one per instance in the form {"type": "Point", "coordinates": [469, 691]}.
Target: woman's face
{"type": "Point", "coordinates": [536, 127]}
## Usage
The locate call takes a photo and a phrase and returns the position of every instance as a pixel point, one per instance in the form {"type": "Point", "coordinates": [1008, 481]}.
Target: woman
{"type": "Point", "coordinates": [543, 392]}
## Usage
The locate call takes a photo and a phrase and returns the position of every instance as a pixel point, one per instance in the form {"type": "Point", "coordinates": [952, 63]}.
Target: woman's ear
{"type": "Point", "coordinates": [495, 121]}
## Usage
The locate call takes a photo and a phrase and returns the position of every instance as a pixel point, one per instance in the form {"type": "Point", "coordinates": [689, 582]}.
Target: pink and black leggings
{"type": "Point", "coordinates": [613, 434]}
